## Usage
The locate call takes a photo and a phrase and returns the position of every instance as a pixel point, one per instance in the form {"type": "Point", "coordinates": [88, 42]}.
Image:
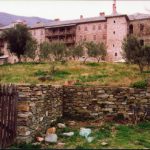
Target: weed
{"type": "Point", "coordinates": [61, 73]}
{"type": "Point", "coordinates": [92, 64]}
{"type": "Point", "coordinates": [91, 78]}
{"type": "Point", "coordinates": [40, 73]}
{"type": "Point", "coordinates": [139, 84]}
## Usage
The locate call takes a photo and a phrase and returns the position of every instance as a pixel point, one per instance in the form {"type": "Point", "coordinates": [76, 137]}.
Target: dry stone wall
{"type": "Point", "coordinates": [94, 102]}
{"type": "Point", "coordinates": [39, 105]}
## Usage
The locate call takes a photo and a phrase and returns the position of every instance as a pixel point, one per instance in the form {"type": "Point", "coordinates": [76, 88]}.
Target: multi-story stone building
{"type": "Point", "coordinates": [109, 29]}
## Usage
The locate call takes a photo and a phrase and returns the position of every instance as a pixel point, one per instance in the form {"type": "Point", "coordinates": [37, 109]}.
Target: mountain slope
{"type": "Point", "coordinates": [6, 19]}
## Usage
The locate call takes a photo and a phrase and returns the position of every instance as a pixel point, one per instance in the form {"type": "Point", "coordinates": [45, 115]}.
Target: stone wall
{"type": "Point", "coordinates": [94, 102]}
{"type": "Point", "coordinates": [38, 106]}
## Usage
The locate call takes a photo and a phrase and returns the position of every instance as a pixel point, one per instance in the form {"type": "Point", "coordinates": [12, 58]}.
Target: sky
{"type": "Point", "coordinates": [65, 10]}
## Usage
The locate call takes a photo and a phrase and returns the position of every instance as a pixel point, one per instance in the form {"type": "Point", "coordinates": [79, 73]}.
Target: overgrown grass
{"type": "Point", "coordinates": [124, 137]}
{"type": "Point", "coordinates": [114, 74]}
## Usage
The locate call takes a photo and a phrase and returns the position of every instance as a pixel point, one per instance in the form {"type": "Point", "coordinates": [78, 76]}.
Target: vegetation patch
{"type": "Point", "coordinates": [61, 73]}
{"type": "Point", "coordinates": [92, 64]}
{"type": "Point", "coordinates": [91, 78]}
{"type": "Point", "coordinates": [110, 136]}
{"type": "Point", "coordinates": [139, 84]}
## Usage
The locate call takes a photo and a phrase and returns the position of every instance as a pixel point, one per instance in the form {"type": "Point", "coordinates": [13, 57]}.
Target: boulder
{"type": "Point", "coordinates": [51, 131]}
{"type": "Point", "coordinates": [71, 123]}
{"type": "Point", "coordinates": [85, 132]}
{"type": "Point", "coordinates": [52, 138]}
{"type": "Point", "coordinates": [104, 143]}
{"type": "Point", "coordinates": [68, 133]}
{"type": "Point", "coordinates": [61, 125]}
{"type": "Point", "coordinates": [39, 139]}
{"type": "Point", "coordinates": [90, 139]}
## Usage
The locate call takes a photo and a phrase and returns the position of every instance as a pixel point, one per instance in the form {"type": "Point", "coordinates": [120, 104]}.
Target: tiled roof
{"type": "Point", "coordinates": [75, 21]}
{"type": "Point", "coordinates": [138, 16]}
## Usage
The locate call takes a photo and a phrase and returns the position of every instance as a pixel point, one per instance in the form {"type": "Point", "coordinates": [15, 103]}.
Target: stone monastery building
{"type": "Point", "coordinates": [110, 29]}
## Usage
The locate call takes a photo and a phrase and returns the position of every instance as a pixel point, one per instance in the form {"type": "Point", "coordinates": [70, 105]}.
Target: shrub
{"type": "Point", "coordinates": [40, 73]}
{"type": "Point", "coordinates": [139, 84]}
{"type": "Point", "coordinates": [92, 64]}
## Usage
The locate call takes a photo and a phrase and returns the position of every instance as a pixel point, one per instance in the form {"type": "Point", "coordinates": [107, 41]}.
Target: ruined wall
{"type": "Point", "coordinates": [38, 106]}
{"type": "Point", "coordinates": [116, 32]}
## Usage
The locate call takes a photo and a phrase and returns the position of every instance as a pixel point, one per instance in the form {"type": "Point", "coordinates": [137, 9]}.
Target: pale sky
{"type": "Point", "coordinates": [65, 10]}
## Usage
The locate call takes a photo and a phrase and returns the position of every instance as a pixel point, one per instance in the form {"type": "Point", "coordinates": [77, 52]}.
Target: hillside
{"type": "Point", "coordinates": [6, 19]}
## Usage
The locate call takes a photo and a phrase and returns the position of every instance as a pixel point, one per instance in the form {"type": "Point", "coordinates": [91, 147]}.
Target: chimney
{"type": "Point", "coordinates": [57, 19]}
{"type": "Point", "coordinates": [102, 13]}
{"type": "Point", "coordinates": [114, 8]}
{"type": "Point", "coordinates": [81, 16]}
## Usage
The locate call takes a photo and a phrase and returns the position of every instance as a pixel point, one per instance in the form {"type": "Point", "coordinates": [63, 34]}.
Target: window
{"type": "Point", "coordinates": [94, 37]}
{"type": "Point", "coordinates": [78, 27]}
{"type": "Point", "coordinates": [141, 27]}
{"type": "Point", "coordinates": [113, 45]}
{"type": "Point", "coordinates": [85, 29]}
{"type": "Point", "coordinates": [41, 32]}
{"type": "Point", "coordinates": [85, 38]}
{"type": "Point", "coordinates": [114, 21]}
{"type": "Point", "coordinates": [34, 32]}
{"type": "Point", "coordinates": [99, 27]}
{"type": "Point", "coordinates": [130, 29]}
{"type": "Point", "coordinates": [93, 27]}
{"type": "Point", "coordinates": [141, 42]}
{"type": "Point", "coordinates": [114, 32]}
{"type": "Point", "coordinates": [115, 54]}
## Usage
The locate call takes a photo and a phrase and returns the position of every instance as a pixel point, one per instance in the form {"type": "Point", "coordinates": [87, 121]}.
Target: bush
{"type": "Point", "coordinates": [139, 84]}
{"type": "Point", "coordinates": [92, 64]}
{"type": "Point", "coordinates": [40, 73]}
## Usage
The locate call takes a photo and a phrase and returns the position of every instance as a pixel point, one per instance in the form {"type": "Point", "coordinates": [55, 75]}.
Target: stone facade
{"type": "Point", "coordinates": [95, 32]}
{"type": "Point", "coordinates": [40, 105]}
{"type": "Point", "coordinates": [117, 31]}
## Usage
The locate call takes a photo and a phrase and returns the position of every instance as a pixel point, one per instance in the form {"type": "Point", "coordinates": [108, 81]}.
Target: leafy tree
{"type": "Point", "coordinates": [146, 49]}
{"type": "Point", "coordinates": [17, 38]}
{"type": "Point", "coordinates": [77, 51]}
{"type": "Point", "coordinates": [31, 47]}
{"type": "Point", "coordinates": [133, 52]}
{"type": "Point", "coordinates": [97, 51]}
{"type": "Point", "coordinates": [45, 49]}
{"type": "Point", "coordinates": [56, 50]}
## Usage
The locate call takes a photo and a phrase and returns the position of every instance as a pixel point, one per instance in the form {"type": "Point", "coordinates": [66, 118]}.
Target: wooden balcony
{"type": "Point", "coordinates": [60, 33]}
{"type": "Point", "coordinates": [1, 44]}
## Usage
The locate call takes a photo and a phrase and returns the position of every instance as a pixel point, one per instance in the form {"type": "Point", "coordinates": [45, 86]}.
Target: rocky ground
{"type": "Point", "coordinates": [92, 134]}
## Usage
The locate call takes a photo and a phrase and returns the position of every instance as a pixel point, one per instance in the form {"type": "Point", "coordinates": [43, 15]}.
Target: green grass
{"type": "Point", "coordinates": [124, 137]}
{"type": "Point", "coordinates": [114, 74]}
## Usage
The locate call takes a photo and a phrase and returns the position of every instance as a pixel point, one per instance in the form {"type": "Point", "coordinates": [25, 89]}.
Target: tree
{"type": "Point", "coordinates": [133, 52]}
{"type": "Point", "coordinates": [45, 49]}
{"type": "Point", "coordinates": [146, 49]}
{"type": "Point", "coordinates": [31, 47]}
{"type": "Point", "coordinates": [97, 51]}
{"type": "Point", "coordinates": [17, 38]}
{"type": "Point", "coordinates": [77, 51]}
{"type": "Point", "coordinates": [56, 50]}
